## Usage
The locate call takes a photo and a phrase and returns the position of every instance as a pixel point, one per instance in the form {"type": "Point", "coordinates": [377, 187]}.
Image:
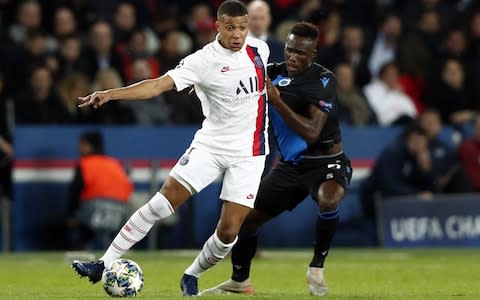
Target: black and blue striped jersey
{"type": "Point", "coordinates": [315, 86]}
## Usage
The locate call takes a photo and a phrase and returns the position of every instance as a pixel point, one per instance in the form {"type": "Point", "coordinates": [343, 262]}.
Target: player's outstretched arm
{"type": "Point", "coordinates": [144, 89]}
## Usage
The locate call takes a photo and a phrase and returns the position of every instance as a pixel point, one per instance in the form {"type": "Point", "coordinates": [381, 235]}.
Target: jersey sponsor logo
{"type": "Point", "coordinates": [249, 86]}
{"type": "Point", "coordinates": [225, 69]}
{"type": "Point", "coordinates": [184, 160]}
{"type": "Point", "coordinates": [325, 105]}
{"type": "Point", "coordinates": [284, 82]}
{"type": "Point", "coordinates": [250, 196]}
{"type": "Point", "coordinates": [325, 81]}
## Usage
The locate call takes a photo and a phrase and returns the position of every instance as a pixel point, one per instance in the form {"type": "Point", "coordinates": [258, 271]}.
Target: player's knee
{"type": "Point", "coordinates": [329, 196]}
{"type": "Point", "coordinates": [227, 233]}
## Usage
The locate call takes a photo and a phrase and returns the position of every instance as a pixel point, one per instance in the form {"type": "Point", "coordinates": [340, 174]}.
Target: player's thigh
{"type": "Point", "coordinates": [196, 169]}
{"type": "Point", "coordinates": [280, 190]}
{"type": "Point", "coordinates": [337, 169]}
{"type": "Point", "coordinates": [241, 179]}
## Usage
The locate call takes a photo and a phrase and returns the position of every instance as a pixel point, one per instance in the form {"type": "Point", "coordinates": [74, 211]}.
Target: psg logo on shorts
{"type": "Point", "coordinates": [258, 62]}
{"type": "Point", "coordinates": [184, 160]}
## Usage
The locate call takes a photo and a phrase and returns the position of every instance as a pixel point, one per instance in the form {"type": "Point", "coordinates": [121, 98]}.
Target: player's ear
{"type": "Point", "coordinates": [217, 25]}
{"type": "Point", "coordinates": [314, 53]}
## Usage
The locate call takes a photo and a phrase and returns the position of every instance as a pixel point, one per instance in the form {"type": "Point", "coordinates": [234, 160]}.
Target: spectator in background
{"type": "Point", "coordinates": [69, 88]}
{"type": "Point", "coordinates": [430, 30]}
{"type": "Point", "coordinates": [100, 54]}
{"type": "Point", "coordinates": [259, 24]}
{"type": "Point", "coordinates": [451, 95]}
{"type": "Point", "coordinates": [205, 32]}
{"type": "Point", "coordinates": [125, 24]}
{"type": "Point", "coordinates": [137, 49]}
{"type": "Point", "coordinates": [96, 210]}
{"type": "Point", "coordinates": [118, 113]}
{"type": "Point", "coordinates": [386, 43]}
{"type": "Point", "coordinates": [403, 168]}
{"type": "Point", "coordinates": [174, 45]}
{"type": "Point", "coordinates": [469, 155]}
{"type": "Point", "coordinates": [412, 11]}
{"type": "Point", "coordinates": [330, 27]}
{"type": "Point", "coordinates": [29, 17]}
{"type": "Point", "coordinates": [455, 46]}
{"type": "Point", "coordinates": [354, 50]}
{"type": "Point", "coordinates": [351, 49]}
{"type": "Point", "coordinates": [64, 22]}
{"type": "Point", "coordinates": [448, 176]}
{"type": "Point", "coordinates": [69, 56]}
{"type": "Point", "coordinates": [200, 25]}
{"type": "Point", "coordinates": [414, 58]}
{"type": "Point", "coordinates": [32, 51]}
{"type": "Point", "coordinates": [154, 111]}
{"type": "Point", "coordinates": [387, 99]}
{"type": "Point", "coordinates": [39, 103]}
{"type": "Point", "coordinates": [353, 108]}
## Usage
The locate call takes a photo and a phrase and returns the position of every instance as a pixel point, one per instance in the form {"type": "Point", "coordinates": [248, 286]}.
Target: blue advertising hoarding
{"type": "Point", "coordinates": [445, 221]}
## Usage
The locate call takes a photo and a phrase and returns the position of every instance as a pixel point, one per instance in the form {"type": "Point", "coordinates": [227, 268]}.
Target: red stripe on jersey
{"type": "Point", "coordinates": [259, 134]}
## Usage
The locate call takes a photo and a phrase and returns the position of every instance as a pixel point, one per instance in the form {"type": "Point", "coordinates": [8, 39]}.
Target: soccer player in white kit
{"type": "Point", "coordinates": [229, 76]}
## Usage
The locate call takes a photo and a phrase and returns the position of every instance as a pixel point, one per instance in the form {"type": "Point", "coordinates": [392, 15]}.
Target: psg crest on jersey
{"type": "Point", "coordinates": [258, 61]}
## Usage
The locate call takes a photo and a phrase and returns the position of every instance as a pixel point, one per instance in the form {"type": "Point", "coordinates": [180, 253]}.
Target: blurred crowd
{"type": "Point", "coordinates": [394, 59]}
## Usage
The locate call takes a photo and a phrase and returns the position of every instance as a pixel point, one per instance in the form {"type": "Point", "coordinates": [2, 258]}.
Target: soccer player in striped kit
{"type": "Point", "coordinates": [229, 76]}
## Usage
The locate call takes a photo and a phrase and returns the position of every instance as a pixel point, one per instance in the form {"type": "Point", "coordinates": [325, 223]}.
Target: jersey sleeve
{"type": "Point", "coordinates": [275, 69]}
{"type": "Point", "coordinates": [323, 93]}
{"type": "Point", "coordinates": [190, 70]}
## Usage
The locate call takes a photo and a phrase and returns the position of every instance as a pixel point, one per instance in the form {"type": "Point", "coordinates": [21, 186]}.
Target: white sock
{"type": "Point", "coordinates": [214, 250]}
{"type": "Point", "coordinates": [137, 227]}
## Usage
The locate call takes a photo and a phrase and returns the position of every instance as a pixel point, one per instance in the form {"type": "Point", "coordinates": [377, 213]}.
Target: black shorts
{"type": "Point", "coordinates": [288, 183]}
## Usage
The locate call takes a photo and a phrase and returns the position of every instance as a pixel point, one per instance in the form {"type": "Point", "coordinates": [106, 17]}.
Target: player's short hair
{"type": "Point", "coordinates": [232, 8]}
{"type": "Point", "coordinates": [305, 29]}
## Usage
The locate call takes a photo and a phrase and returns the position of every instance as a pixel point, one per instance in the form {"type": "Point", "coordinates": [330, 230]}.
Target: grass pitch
{"type": "Point", "coordinates": [350, 273]}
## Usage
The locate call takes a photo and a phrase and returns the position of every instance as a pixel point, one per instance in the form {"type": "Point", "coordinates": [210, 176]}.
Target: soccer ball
{"type": "Point", "coordinates": [123, 278]}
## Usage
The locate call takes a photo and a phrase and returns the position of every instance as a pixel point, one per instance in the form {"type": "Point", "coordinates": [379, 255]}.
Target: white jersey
{"type": "Point", "coordinates": [231, 88]}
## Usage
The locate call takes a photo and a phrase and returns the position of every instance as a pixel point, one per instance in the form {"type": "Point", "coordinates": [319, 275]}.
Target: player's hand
{"type": "Point", "coordinates": [272, 92]}
{"type": "Point", "coordinates": [95, 99]}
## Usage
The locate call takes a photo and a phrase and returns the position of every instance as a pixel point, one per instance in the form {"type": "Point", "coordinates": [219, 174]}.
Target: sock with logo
{"type": "Point", "coordinates": [214, 250]}
{"type": "Point", "coordinates": [325, 230]}
{"type": "Point", "coordinates": [137, 227]}
{"type": "Point", "coordinates": [242, 255]}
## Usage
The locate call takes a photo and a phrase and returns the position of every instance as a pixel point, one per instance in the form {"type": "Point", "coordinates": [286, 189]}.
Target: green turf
{"type": "Point", "coordinates": [350, 273]}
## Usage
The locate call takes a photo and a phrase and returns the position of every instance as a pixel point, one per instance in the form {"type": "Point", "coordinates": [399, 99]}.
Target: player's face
{"type": "Point", "coordinates": [299, 54]}
{"type": "Point", "coordinates": [232, 31]}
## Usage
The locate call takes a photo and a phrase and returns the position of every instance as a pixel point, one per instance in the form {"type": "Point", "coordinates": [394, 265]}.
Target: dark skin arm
{"type": "Point", "coordinates": [308, 128]}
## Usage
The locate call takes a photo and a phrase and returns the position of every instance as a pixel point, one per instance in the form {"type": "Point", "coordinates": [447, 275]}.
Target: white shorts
{"type": "Point", "coordinates": [241, 175]}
